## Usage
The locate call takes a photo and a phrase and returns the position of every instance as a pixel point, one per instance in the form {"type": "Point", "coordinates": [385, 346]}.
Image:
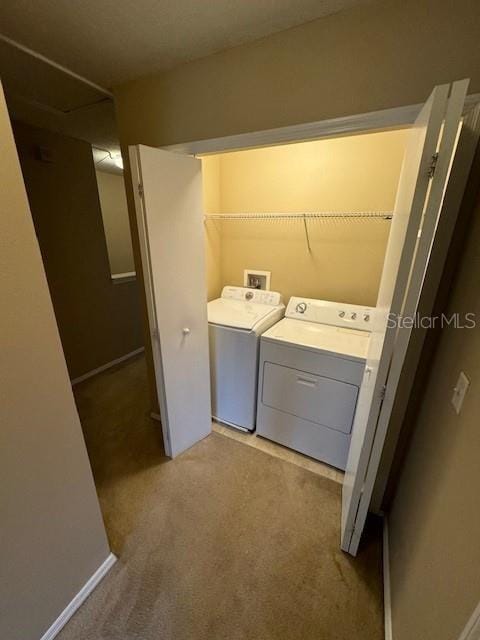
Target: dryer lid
{"type": "Point", "coordinates": [237, 313]}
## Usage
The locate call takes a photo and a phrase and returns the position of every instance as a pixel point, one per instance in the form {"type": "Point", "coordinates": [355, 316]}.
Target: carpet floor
{"type": "Point", "coordinates": [225, 542]}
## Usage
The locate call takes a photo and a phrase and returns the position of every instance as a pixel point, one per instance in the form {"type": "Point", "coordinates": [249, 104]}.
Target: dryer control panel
{"type": "Point", "coordinates": [259, 296]}
{"type": "Point", "coordinates": [334, 313]}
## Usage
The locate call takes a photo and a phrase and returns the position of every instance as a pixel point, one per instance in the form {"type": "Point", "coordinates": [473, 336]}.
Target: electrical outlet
{"type": "Point", "coordinates": [459, 392]}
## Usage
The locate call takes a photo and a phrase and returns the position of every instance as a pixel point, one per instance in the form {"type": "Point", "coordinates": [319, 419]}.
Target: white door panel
{"type": "Point", "coordinates": [427, 240]}
{"type": "Point", "coordinates": [400, 283]}
{"type": "Point", "coordinates": [170, 221]}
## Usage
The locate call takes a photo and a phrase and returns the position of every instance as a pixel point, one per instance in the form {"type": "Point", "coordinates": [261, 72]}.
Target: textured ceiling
{"type": "Point", "coordinates": [113, 41]}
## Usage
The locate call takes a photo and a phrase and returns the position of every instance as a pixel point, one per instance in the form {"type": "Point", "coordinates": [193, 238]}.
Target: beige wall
{"type": "Point", "coordinates": [52, 534]}
{"type": "Point", "coordinates": [98, 320]}
{"type": "Point", "coordinates": [113, 203]}
{"type": "Point", "coordinates": [351, 174]}
{"type": "Point", "coordinates": [378, 55]}
{"type": "Point", "coordinates": [435, 520]}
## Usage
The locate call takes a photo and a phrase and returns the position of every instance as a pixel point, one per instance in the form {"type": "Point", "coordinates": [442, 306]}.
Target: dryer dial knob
{"type": "Point", "coordinates": [301, 307]}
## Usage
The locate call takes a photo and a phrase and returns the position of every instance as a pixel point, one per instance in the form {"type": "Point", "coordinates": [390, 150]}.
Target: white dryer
{"type": "Point", "coordinates": [235, 323]}
{"type": "Point", "coordinates": [311, 367]}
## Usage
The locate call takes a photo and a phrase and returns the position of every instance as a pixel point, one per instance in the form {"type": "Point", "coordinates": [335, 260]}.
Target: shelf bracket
{"type": "Point", "coordinates": [307, 237]}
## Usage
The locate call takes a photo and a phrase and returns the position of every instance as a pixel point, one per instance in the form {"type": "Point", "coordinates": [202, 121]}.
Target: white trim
{"type": "Point", "coordinates": [120, 278]}
{"type": "Point", "coordinates": [55, 65]}
{"type": "Point", "coordinates": [472, 628]}
{"type": "Point", "coordinates": [334, 127]}
{"type": "Point", "coordinates": [394, 118]}
{"type": "Point", "coordinates": [80, 598]}
{"type": "Point", "coordinates": [106, 366]}
{"type": "Point", "coordinates": [387, 594]}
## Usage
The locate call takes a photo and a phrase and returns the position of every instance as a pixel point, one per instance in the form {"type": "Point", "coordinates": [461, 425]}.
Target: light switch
{"type": "Point", "coordinates": [459, 392]}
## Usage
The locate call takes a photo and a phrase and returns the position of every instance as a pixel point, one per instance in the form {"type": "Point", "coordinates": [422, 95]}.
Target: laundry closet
{"type": "Point", "coordinates": [308, 223]}
{"type": "Point", "coordinates": [338, 234]}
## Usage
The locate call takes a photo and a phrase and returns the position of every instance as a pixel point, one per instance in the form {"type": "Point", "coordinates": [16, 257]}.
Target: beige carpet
{"type": "Point", "coordinates": [224, 542]}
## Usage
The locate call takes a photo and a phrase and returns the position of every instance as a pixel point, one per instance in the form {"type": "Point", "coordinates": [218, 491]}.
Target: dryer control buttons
{"type": "Point", "coordinates": [341, 314]}
{"type": "Point", "coordinates": [248, 295]}
{"type": "Point", "coordinates": [366, 317]}
{"type": "Point", "coordinates": [301, 307]}
{"type": "Point", "coordinates": [353, 316]}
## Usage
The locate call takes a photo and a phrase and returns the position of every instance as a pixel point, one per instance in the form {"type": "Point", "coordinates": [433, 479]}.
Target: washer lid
{"type": "Point", "coordinates": [346, 343]}
{"type": "Point", "coordinates": [237, 313]}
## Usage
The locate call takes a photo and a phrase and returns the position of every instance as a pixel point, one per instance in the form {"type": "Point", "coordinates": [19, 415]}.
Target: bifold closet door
{"type": "Point", "coordinates": [169, 208]}
{"type": "Point", "coordinates": [424, 176]}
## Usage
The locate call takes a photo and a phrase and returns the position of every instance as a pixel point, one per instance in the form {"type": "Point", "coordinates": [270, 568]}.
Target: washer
{"type": "Point", "coordinates": [236, 321]}
{"type": "Point", "coordinates": [311, 367]}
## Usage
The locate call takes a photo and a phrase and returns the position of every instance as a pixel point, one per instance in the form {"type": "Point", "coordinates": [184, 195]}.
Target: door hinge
{"type": "Point", "coordinates": [140, 190]}
{"type": "Point", "coordinates": [433, 165]}
{"type": "Point", "coordinates": [383, 391]}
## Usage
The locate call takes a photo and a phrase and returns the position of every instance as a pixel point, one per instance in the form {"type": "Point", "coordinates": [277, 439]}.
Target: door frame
{"type": "Point", "coordinates": [374, 121]}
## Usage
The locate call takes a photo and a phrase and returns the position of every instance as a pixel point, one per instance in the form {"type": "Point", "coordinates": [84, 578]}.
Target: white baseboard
{"type": "Point", "coordinates": [472, 629]}
{"type": "Point", "coordinates": [106, 366]}
{"type": "Point", "coordinates": [387, 595]}
{"type": "Point", "coordinates": [79, 599]}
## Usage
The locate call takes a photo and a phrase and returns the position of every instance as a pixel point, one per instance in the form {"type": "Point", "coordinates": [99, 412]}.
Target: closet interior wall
{"type": "Point", "coordinates": [350, 174]}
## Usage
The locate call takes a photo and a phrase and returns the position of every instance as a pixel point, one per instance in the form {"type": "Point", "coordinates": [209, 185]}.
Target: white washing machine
{"type": "Point", "coordinates": [235, 323]}
{"type": "Point", "coordinates": [310, 371]}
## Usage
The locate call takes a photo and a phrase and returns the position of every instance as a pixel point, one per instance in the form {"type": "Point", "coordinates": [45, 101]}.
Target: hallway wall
{"type": "Point", "coordinates": [52, 535]}
{"type": "Point", "coordinates": [113, 204]}
{"type": "Point", "coordinates": [377, 55]}
{"type": "Point", "coordinates": [98, 320]}
{"type": "Point", "coordinates": [434, 521]}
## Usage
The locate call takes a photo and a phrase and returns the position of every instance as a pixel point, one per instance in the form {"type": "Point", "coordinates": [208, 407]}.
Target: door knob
{"type": "Point", "coordinates": [185, 331]}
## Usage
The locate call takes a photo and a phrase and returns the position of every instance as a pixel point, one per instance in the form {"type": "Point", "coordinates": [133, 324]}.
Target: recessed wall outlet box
{"type": "Point", "coordinates": [256, 279]}
{"type": "Point", "coordinates": [459, 392]}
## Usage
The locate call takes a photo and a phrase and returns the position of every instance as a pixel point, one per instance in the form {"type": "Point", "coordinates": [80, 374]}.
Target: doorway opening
{"type": "Point", "coordinates": [257, 220]}
{"type": "Point", "coordinates": [316, 216]}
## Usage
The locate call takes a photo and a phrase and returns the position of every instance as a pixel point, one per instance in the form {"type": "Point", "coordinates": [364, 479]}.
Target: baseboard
{"type": "Point", "coordinates": [472, 629]}
{"type": "Point", "coordinates": [106, 366]}
{"type": "Point", "coordinates": [80, 598]}
{"type": "Point", "coordinates": [387, 595]}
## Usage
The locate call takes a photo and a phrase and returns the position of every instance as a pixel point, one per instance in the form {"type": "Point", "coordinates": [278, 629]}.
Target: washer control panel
{"type": "Point", "coordinates": [335, 313]}
{"type": "Point", "coordinates": [259, 296]}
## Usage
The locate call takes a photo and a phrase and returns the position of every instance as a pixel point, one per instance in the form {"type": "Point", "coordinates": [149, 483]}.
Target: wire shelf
{"type": "Point", "coordinates": [319, 215]}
